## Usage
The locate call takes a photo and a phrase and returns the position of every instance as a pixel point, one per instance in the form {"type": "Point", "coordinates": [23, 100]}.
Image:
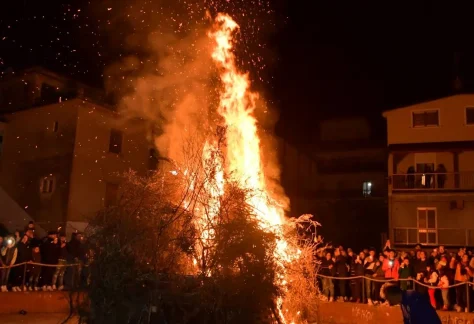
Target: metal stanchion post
{"type": "Point", "coordinates": [24, 275]}
{"type": "Point", "coordinates": [468, 297]}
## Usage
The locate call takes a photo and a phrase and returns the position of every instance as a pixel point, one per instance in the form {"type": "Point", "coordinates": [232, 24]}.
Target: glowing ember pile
{"type": "Point", "coordinates": [243, 155]}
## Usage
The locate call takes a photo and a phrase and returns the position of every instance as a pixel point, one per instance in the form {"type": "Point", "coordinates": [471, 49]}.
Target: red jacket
{"type": "Point", "coordinates": [391, 270]}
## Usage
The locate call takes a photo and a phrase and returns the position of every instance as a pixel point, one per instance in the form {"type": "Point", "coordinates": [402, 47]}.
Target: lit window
{"type": "Point", "coordinates": [47, 185]}
{"type": "Point", "coordinates": [426, 118]}
{"type": "Point", "coordinates": [367, 189]}
{"type": "Point", "coordinates": [115, 144]}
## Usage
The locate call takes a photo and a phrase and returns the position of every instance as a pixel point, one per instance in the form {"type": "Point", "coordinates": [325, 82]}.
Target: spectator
{"type": "Point", "coordinates": [444, 284]}
{"type": "Point", "coordinates": [58, 278]}
{"type": "Point", "coordinates": [9, 254]}
{"type": "Point", "coordinates": [421, 272]}
{"type": "Point", "coordinates": [379, 276]}
{"type": "Point", "coordinates": [50, 256]}
{"type": "Point", "coordinates": [463, 274]}
{"type": "Point", "coordinates": [35, 270]}
{"type": "Point", "coordinates": [328, 269]}
{"type": "Point", "coordinates": [369, 266]}
{"type": "Point", "coordinates": [391, 266]}
{"type": "Point", "coordinates": [23, 255]}
{"type": "Point", "coordinates": [441, 175]}
{"type": "Point", "coordinates": [405, 272]}
{"type": "Point", "coordinates": [342, 271]}
{"type": "Point", "coordinates": [358, 271]}
{"type": "Point", "coordinates": [76, 251]}
{"type": "Point", "coordinates": [432, 280]}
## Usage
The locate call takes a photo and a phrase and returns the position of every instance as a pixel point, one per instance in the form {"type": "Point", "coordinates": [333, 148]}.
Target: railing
{"type": "Point", "coordinates": [28, 268]}
{"type": "Point", "coordinates": [434, 236]}
{"type": "Point", "coordinates": [414, 283]}
{"type": "Point", "coordinates": [433, 181]}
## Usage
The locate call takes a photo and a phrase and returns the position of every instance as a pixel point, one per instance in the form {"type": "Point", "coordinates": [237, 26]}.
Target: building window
{"type": "Point", "coordinates": [47, 185]}
{"type": "Point", "coordinates": [470, 115]}
{"type": "Point", "coordinates": [367, 189]}
{"type": "Point", "coordinates": [427, 232]}
{"type": "Point", "coordinates": [111, 194]}
{"type": "Point", "coordinates": [426, 118]}
{"type": "Point", "coordinates": [115, 143]}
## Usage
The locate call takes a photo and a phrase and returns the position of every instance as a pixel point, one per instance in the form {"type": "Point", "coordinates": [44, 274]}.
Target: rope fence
{"type": "Point", "coordinates": [41, 264]}
{"type": "Point", "coordinates": [397, 280]}
{"type": "Point", "coordinates": [5, 270]}
{"type": "Point", "coordinates": [414, 282]}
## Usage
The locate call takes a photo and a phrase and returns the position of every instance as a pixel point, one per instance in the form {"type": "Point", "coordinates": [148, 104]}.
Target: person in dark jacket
{"type": "Point", "coordinates": [405, 272]}
{"type": "Point", "coordinates": [58, 278]}
{"type": "Point", "coordinates": [369, 267]}
{"type": "Point", "coordinates": [50, 256]}
{"type": "Point", "coordinates": [35, 270]}
{"type": "Point", "coordinates": [23, 256]}
{"type": "Point", "coordinates": [76, 251]}
{"type": "Point", "coordinates": [357, 270]}
{"type": "Point", "coordinates": [328, 269]}
{"type": "Point", "coordinates": [416, 307]}
{"type": "Point", "coordinates": [342, 271]}
{"type": "Point", "coordinates": [421, 272]}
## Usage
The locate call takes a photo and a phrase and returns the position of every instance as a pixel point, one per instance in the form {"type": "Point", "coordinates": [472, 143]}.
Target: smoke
{"type": "Point", "coordinates": [166, 75]}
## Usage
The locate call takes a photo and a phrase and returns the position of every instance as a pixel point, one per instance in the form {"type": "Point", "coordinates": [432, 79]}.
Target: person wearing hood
{"type": "Point", "coordinates": [9, 255]}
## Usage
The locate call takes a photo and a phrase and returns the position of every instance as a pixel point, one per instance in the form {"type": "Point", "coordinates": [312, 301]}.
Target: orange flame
{"type": "Point", "coordinates": [243, 156]}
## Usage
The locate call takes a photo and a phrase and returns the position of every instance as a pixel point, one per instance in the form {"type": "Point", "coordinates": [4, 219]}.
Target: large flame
{"type": "Point", "coordinates": [243, 156]}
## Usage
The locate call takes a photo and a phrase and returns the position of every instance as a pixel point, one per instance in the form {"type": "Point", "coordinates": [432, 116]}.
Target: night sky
{"type": "Point", "coordinates": [324, 58]}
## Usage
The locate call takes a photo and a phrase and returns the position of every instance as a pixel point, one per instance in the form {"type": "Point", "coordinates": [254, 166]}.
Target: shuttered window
{"type": "Point", "coordinates": [426, 118]}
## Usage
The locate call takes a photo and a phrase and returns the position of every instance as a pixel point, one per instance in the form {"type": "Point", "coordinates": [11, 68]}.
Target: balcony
{"type": "Point", "coordinates": [434, 236]}
{"type": "Point", "coordinates": [430, 182]}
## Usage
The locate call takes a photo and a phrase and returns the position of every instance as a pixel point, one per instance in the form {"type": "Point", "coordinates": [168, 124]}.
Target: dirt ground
{"type": "Point", "coordinates": [36, 319]}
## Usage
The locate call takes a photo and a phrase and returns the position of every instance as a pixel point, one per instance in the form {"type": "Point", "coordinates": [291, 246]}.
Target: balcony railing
{"type": "Point", "coordinates": [434, 181]}
{"type": "Point", "coordinates": [434, 236]}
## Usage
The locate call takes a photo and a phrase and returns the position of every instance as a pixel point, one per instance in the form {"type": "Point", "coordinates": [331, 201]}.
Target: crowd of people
{"type": "Point", "coordinates": [358, 277]}
{"type": "Point", "coordinates": [30, 263]}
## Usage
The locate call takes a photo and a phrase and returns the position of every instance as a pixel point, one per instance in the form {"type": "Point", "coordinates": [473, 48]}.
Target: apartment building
{"type": "Point", "coordinates": [349, 192]}
{"type": "Point", "coordinates": [62, 152]}
{"type": "Point", "coordinates": [431, 172]}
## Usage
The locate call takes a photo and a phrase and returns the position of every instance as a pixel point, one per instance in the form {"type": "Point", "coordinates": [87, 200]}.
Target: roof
{"type": "Point", "coordinates": [384, 114]}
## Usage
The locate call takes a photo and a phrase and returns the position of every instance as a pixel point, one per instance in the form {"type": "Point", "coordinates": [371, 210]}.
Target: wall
{"type": "Point", "coordinates": [451, 118]}
{"type": "Point", "coordinates": [403, 209]}
{"type": "Point", "coordinates": [349, 313]}
{"type": "Point", "coordinates": [94, 165]}
{"type": "Point", "coordinates": [32, 150]}
{"type": "Point", "coordinates": [37, 302]}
